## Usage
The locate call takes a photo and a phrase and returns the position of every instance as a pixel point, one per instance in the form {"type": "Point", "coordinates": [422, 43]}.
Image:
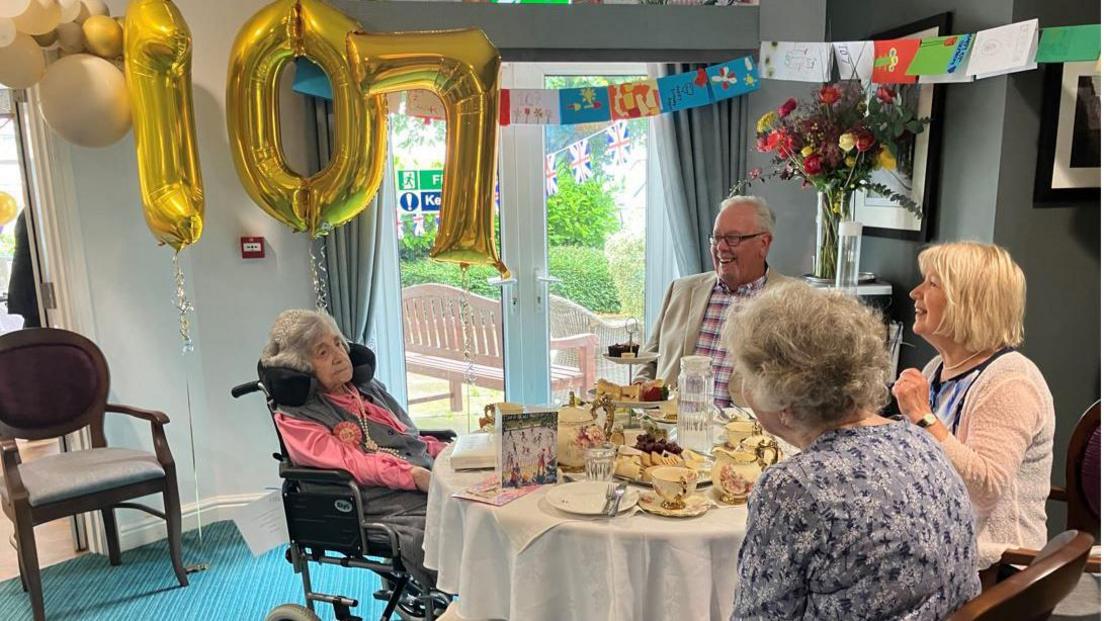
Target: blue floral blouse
{"type": "Point", "coordinates": [866, 523]}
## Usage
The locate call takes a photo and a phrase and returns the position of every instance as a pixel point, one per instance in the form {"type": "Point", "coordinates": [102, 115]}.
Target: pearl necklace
{"type": "Point", "coordinates": [370, 445]}
{"type": "Point", "coordinates": [955, 366]}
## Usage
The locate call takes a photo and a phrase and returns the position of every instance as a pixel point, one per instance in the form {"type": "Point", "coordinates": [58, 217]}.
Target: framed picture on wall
{"type": "Point", "coordinates": [1068, 168]}
{"type": "Point", "coordinates": [917, 169]}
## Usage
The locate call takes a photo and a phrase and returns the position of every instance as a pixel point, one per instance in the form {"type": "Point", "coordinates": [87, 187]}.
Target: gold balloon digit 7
{"type": "Point", "coordinates": [158, 74]}
{"type": "Point", "coordinates": [272, 38]}
{"type": "Point", "coordinates": [461, 67]}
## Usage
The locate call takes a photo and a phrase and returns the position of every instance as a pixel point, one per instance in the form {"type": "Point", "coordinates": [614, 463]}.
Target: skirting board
{"type": "Point", "coordinates": [209, 510]}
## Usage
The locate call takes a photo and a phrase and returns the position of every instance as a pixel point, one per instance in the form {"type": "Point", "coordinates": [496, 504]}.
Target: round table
{"type": "Point", "coordinates": [527, 561]}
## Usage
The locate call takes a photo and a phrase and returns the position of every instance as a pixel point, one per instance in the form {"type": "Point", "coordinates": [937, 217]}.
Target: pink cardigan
{"type": "Point", "coordinates": [312, 445]}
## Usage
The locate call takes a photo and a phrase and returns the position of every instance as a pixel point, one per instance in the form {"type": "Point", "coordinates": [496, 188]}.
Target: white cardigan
{"type": "Point", "coordinates": [1003, 450]}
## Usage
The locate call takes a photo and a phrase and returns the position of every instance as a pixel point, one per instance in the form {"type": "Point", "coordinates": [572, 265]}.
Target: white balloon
{"type": "Point", "coordinates": [7, 32]}
{"type": "Point", "coordinates": [70, 9]}
{"type": "Point", "coordinates": [101, 115]}
{"type": "Point", "coordinates": [41, 17]}
{"type": "Point", "coordinates": [70, 38]}
{"type": "Point", "coordinates": [95, 7]}
{"type": "Point", "coordinates": [21, 63]}
{"type": "Point", "coordinates": [11, 8]}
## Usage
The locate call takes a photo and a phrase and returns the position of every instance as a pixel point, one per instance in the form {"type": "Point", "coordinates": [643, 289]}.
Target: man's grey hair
{"type": "Point", "coordinates": [293, 334]}
{"type": "Point", "coordinates": [763, 213]}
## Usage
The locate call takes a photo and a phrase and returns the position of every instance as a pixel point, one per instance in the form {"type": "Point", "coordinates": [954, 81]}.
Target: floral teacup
{"type": "Point", "coordinates": [741, 428]}
{"type": "Point", "coordinates": [673, 484]}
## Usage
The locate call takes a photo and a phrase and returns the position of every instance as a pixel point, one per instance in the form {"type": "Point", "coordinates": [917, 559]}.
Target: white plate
{"type": "Point", "coordinates": [637, 359]}
{"type": "Point", "coordinates": [587, 497]}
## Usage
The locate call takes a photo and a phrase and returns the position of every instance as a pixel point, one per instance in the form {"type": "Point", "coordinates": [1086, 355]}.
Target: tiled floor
{"type": "Point", "coordinates": [54, 539]}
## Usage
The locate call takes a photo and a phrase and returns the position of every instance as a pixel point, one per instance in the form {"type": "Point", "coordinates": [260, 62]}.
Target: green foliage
{"type": "Point", "coordinates": [625, 253]}
{"type": "Point", "coordinates": [7, 241]}
{"type": "Point", "coordinates": [580, 214]}
{"type": "Point", "coordinates": [585, 278]}
{"type": "Point", "coordinates": [423, 271]}
{"type": "Point", "coordinates": [413, 247]}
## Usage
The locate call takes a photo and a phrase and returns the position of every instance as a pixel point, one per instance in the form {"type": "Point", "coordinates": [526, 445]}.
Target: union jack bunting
{"type": "Point", "coordinates": [617, 140]}
{"type": "Point", "coordinates": [550, 186]}
{"type": "Point", "coordinates": [580, 161]}
{"type": "Point", "coordinates": [399, 221]}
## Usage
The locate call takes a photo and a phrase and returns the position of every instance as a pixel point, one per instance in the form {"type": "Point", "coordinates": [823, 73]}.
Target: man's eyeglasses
{"type": "Point", "coordinates": [733, 239]}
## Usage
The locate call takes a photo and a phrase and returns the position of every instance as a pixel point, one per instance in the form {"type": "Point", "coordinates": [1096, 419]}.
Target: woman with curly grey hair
{"type": "Point", "coordinates": [847, 528]}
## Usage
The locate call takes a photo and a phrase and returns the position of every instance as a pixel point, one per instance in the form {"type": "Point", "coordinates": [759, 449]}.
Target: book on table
{"type": "Point", "coordinates": [474, 451]}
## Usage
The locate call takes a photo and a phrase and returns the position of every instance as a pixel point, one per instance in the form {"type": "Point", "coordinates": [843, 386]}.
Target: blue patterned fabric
{"type": "Point", "coordinates": [866, 523]}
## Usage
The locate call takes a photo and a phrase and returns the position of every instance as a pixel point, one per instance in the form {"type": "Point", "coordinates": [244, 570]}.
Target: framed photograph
{"type": "Point", "coordinates": [917, 169]}
{"type": "Point", "coordinates": [1068, 168]}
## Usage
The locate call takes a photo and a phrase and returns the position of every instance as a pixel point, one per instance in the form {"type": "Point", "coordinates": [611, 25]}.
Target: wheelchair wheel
{"type": "Point", "coordinates": [291, 612]}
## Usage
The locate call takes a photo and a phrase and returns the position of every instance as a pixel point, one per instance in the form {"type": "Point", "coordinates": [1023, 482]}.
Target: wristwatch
{"type": "Point", "coordinates": [927, 420]}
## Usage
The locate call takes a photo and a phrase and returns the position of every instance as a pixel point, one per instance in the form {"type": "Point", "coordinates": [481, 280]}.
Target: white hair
{"type": "Point", "coordinates": [763, 213]}
{"type": "Point", "coordinates": [293, 334]}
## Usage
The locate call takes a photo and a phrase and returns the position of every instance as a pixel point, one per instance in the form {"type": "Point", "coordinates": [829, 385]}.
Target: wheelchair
{"type": "Point", "coordinates": [326, 523]}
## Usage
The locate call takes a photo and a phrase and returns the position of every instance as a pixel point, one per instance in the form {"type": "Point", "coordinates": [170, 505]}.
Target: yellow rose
{"type": "Point", "coordinates": [850, 161]}
{"type": "Point", "coordinates": [847, 141]}
{"type": "Point", "coordinates": [766, 121]}
{"type": "Point", "coordinates": [806, 152]}
{"type": "Point", "coordinates": [886, 159]}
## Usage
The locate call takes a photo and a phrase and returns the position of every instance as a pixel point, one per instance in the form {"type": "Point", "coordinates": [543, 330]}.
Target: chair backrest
{"type": "Point", "coordinates": [433, 324]}
{"type": "Point", "coordinates": [1083, 473]}
{"type": "Point", "coordinates": [55, 382]}
{"type": "Point", "coordinates": [1033, 593]}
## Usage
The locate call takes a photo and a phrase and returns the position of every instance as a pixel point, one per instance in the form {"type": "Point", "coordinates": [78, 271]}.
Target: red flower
{"type": "Point", "coordinates": [885, 94]}
{"type": "Point", "coordinates": [829, 94]}
{"type": "Point", "coordinates": [348, 432]}
{"type": "Point", "coordinates": [863, 140]}
{"type": "Point", "coordinates": [755, 173]}
{"type": "Point", "coordinates": [812, 165]}
{"type": "Point", "coordinates": [763, 144]}
{"type": "Point", "coordinates": [785, 143]}
{"type": "Point", "coordinates": [786, 108]}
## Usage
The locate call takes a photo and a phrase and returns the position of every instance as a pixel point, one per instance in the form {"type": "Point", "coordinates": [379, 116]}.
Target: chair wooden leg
{"type": "Point", "coordinates": [28, 565]}
{"type": "Point", "coordinates": [172, 523]}
{"type": "Point", "coordinates": [111, 532]}
{"type": "Point", "coordinates": [456, 396]}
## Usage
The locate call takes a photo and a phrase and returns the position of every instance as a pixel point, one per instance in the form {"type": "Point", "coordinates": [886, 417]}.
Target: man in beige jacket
{"type": "Point", "coordinates": [695, 307]}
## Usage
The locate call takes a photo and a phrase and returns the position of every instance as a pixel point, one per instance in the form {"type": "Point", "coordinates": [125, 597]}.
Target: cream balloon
{"type": "Point", "coordinates": [103, 113]}
{"type": "Point", "coordinates": [103, 36]}
{"type": "Point", "coordinates": [70, 9]}
{"type": "Point", "coordinates": [11, 8]}
{"type": "Point", "coordinates": [21, 63]}
{"type": "Point", "coordinates": [95, 7]}
{"type": "Point", "coordinates": [7, 32]}
{"type": "Point", "coordinates": [70, 38]}
{"type": "Point", "coordinates": [46, 41]}
{"type": "Point", "coordinates": [41, 17]}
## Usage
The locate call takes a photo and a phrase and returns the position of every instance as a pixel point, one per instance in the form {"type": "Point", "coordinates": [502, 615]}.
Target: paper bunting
{"type": "Point", "coordinates": [584, 105]}
{"type": "Point", "coordinates": [1005, 49]}
{"type": "Point", "coordinates": [684, 90]}
{"type": "Point", "coordinates": [734, 78]}
{"type": "Point", "coordinates": [580, 161]}
{"type": "Point", "coordinates": [892, 58]}
{"type": "Point", "coordinates": [855, 60]}
{"type": "Point", "coordinates": [940, 55]}
{"type": "Point", "coordinates": [534, 106]}
{"type": "Point", "coordinates": [550, 185]}
{"type": "Point", "coordinates": [634, 100]}
{"type": "Point", "coordinates": [1069, 44]}
{"type": "Point", "coordinates": [617, 141]}
{"type": "Point", "coordinates": [796, 61]}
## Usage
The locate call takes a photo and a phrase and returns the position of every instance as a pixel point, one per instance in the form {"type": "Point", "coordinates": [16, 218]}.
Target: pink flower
{"type": "Point", "coordinates": [348, 432]}
{"type": "Point", "coordinates": [762, 145]}
{"type": "Point", "coordinates": [787, 107]}
{"type": "Point", "coordinates": [885, 94]}
{"type": "Point", "coordinates": [812, 165]}
{"type": "Point", "coordinates": [755, 173]}
{"type": "Point", "coordinates": [864, 140]}
{"type": "Point", "coordinates": [829, 94]}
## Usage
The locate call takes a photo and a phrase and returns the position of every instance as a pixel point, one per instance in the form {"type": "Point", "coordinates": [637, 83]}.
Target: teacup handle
{"type": "Point", "coordinates": [761, 454]}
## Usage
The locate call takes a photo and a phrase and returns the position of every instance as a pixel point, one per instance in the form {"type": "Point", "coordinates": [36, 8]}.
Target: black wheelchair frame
{"type": "Point", "coordinates": [324, 512]}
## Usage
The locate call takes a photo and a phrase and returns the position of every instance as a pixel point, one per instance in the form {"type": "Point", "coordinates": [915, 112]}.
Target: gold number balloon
{"type": "Point", "coordinates": [158, 74]}
{"type": "Point", "coordinates": [461, 67]}
{"type": "Point", "coordinates": [273, 37]}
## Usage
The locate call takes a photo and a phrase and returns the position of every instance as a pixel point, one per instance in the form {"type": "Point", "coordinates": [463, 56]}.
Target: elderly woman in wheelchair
{"type": "Point", "coordinates": [341, 432]}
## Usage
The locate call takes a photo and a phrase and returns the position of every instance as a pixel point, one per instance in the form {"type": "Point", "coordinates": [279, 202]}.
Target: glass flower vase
{"type": "Point", "coordinates": [833, 206]}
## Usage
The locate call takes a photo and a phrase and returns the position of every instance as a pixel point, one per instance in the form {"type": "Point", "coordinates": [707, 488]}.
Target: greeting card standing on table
{"type": "Point", "coordinates": [527, 448]}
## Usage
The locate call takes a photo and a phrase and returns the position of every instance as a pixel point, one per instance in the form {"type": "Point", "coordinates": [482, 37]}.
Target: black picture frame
{"type": "Point", "coordinates": [941, 24]}
{"type": "Point", "coordinates": [1046, 195]}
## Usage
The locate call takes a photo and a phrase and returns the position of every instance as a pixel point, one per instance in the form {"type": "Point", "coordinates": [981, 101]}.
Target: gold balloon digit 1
{"type": "Point", "coordinates": [462, 68]}
{"type": "Point", "coordinates": [159, 79]}
{"type": "Point", "coordinates": [275, 36]}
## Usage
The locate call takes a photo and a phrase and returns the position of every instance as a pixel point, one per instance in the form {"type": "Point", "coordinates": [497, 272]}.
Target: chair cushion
{"type": "Point", "coordinates": [69, 475]}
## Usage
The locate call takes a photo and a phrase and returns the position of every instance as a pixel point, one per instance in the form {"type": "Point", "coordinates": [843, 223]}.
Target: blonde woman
{"type": "Point", "coordinates": [984, 402]}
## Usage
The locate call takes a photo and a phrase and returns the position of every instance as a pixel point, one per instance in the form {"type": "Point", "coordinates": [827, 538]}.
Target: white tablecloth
{"type": "Point", "coordinates": [526, 561]}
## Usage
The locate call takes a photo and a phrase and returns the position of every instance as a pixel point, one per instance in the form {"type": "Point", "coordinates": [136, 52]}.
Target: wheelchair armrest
{"type": "Point", "coordinates": [313, 475]}
{"type": "Point", "coordinates": [444, 435]}
{"type": "Point", "coordinates": [387, 531]}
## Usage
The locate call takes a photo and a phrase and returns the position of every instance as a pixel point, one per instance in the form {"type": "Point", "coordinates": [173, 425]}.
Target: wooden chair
{"type": "Point", "coordinates": [56, 383]}
{"type": "Point", "coordinates": [1082, 491]}
{"type": "Point", "coordinates": [1032, 594]}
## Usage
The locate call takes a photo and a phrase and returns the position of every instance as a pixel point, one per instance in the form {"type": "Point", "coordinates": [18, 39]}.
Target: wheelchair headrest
{"type": "Point", "coordinates": [291, 387]}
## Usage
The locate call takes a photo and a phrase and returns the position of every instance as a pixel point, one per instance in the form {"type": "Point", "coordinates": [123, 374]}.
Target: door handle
{"type": "Point", "coordinates": [501, 282]}
{"type": "Point", "coordinates": [548, 280]}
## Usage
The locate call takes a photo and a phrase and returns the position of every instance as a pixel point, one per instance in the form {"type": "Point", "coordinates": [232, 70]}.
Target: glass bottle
{"type": "Point", "coordinates": [695, 405]}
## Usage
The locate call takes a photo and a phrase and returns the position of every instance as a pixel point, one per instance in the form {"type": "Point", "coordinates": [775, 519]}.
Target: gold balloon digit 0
{"type": "Point", "coordinates": [273, 37]}
{"type": "Point", "coordinates": [158, 64]}
{"type": "Point", "coordinates": [462, 68]}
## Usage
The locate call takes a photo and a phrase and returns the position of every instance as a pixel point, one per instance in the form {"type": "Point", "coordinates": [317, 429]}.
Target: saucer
{"type": "Point", "coordinates": [696, 504]}
{"type": "Point", "coordinates": [715, 496]}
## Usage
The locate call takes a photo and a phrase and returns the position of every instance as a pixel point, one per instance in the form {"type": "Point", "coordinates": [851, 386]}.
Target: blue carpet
{"type": "Point", "coordinates": [235, 587]}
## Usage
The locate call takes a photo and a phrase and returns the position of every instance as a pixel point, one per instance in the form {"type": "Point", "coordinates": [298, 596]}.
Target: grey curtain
{"type": "Point", "coordinates": [702, 155]}
{"type": "Point", "coordinates": [353, 250]}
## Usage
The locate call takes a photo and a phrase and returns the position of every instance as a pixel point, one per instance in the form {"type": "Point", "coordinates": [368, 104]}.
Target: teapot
{"type": "Point", "coordinates": [576, 432]}
{"type": "Point", "coordinates": [735, 471]}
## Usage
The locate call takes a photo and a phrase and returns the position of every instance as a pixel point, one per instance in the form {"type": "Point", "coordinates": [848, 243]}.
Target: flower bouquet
{"type": "Point", "coordinates": [834, 142]}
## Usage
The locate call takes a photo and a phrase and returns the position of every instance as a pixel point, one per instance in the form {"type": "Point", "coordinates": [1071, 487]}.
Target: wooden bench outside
{"type": "Point", "coordinates": [434, 342]}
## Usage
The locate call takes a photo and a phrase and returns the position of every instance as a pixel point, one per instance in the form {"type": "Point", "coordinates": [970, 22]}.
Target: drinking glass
{"type": "Point", "coordinates": [600, 462]}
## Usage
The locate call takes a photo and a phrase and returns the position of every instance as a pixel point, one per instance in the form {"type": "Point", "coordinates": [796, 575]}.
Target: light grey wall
{"type": "Point", "coordinates": [987, 173]}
